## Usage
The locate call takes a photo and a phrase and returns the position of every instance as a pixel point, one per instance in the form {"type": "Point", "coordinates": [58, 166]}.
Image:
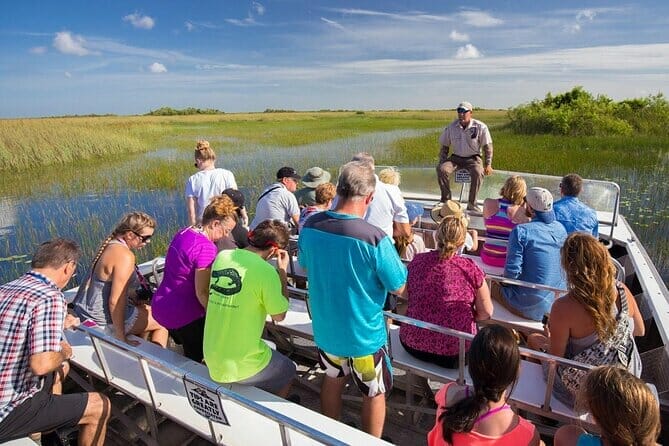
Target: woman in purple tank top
{"type": "Point", "coordinates": [500, 216]}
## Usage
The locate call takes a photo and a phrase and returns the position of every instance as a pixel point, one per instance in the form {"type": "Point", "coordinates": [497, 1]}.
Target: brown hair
{"type": "Point", "coordinates": [269, 233]}
{"type": "Point", "coordinates": [514, 189]}
{"type": "Point", "coordinates": [571, 185]}
{"type": "Point", "coordinates": [494, 361]}
{"type": "Point", "coordinates": [450, 235]}
{"type": "Point", "coordinates": [623, 406]}
{"type": "Point", "coordinates": [220, 207]}
{"type": "Point", "coordinates": [55, 253]}
{"type": "Point", "coordinates": [203, 151]}
{"type": "Point", "coordinates": [325, 192]}
{"type": "Point", "coordinates": [591, 280]}
{"type": "Point", "coordinates": [133, 222]}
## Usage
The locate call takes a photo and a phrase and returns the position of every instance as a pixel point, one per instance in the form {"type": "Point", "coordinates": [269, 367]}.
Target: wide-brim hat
{"type": "Point", "coordinates": [448, 209]}
{"type": "Point", "coordinates": [316, 176]}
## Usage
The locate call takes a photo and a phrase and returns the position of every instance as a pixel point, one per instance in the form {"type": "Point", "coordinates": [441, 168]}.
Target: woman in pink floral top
{"type": "Point", "coordinates": [444, 289]}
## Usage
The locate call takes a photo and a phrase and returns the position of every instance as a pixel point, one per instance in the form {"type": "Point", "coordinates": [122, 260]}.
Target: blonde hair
{"type": "Point", "coordinates": [220, 207]}
{"type": "Point", "coordinates": [591, 280]}
{"type": "Point", "coordinates": [390, 176]}
{"type": "Point", "coordinates": [203, 151]}
{"type": "Point", "coordinates": [450, 235]}
{"type": "Point", "coordinates": [514, 189]}
{"type": "Point", "coordinates": [133, 222]}
{"type": "Point", "coordinates": [325, 192]}
{"type": "Point", "coordinates": [623, 406]}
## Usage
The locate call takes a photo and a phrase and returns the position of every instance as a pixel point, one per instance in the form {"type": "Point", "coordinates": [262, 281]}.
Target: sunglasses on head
{"type": "Point", "coordinates": [143, 238]}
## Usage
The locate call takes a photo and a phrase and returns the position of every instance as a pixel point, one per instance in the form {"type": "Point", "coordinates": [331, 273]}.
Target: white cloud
{"type": "Point", "coordinates": [586, 14]}
{"type": "Point", "coordinates": [479, 19]}
{"type": "Point", "coordinates": [468, 51]}
{"type": "Point", "coordinates": [68, 74]}
{"type": "Point", "coordinates": [333, 23]}
{"type": "Point", "coordinates": [258, 8]}
{"type": "Point", "coordinates": [38, 50]}
{"type": "Point", "coordinates": [249, 21]}
{"type": "Point", "coordinates": [157, 67]}
{"type": "Point", "coordinates": [189, 26]}
{"type": "Point", "coordinates": [573, 28]}
{"type": "Point", "coordinates": [140, 21]}
{"type": "Point", "coordinates": [458, 37]}
{"type": "Point", "coordinates": [69, 43]}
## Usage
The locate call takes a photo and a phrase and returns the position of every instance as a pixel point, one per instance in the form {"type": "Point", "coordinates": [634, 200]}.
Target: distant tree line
{"type": "Point", "coordinates": [169, 111]}
{"type": "Point", "coordinates": [579, 113]}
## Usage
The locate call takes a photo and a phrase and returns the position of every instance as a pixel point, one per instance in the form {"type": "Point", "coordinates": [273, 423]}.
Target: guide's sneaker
{"type": "Point", "coordinates": [474, 208]}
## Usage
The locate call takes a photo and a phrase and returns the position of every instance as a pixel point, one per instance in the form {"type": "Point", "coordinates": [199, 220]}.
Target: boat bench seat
{"type": "Point", "coordinates": [155, 377]}
{"type": "Point", "coordinates": [25, 441]}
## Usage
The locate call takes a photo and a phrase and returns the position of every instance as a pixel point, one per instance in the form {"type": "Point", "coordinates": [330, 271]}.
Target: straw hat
{"type": "Point", "coordinates": [448, 209]}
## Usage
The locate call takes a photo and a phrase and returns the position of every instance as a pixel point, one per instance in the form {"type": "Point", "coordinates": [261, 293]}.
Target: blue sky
{"type": "Point", "coordinates": [79, 57]}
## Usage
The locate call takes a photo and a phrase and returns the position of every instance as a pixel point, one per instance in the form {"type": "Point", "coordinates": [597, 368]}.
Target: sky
{"type": "Point", "coordinates": [129, 57]}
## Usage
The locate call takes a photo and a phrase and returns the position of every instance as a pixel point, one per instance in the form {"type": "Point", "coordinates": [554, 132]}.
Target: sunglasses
{"type": "Point", "coordinates": [143, 238]}
{"type": "Point", "coordinates": [462, 110]}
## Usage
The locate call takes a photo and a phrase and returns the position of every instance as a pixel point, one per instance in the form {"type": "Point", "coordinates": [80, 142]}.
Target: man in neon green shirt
{"type": "Point", "coordinates": [243, 290]}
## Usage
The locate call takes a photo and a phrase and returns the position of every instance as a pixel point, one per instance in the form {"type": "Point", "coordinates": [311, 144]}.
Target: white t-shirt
{"type": "Point", "coordinates": [279, 204]}
{"type": "Point", "coordinates": [386, 207]}
{"type": "Point", "coordinates": [206, 184]}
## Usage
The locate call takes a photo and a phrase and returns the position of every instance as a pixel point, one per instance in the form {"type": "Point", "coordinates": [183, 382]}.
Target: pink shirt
{"type": "Point", "coordinates": [441, 292]}
{"type": "Point", "coordinates": [522, 434]}
{"type": "Point", "coordinates": [175, 303]}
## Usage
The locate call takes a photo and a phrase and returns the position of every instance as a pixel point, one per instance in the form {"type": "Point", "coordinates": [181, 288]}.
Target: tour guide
{"type": "Point", "coordinates": [467, 136]}
{"type": "Point", "coordinates": [351, 265]}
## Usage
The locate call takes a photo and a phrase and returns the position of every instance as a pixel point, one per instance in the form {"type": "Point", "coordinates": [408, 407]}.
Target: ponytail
{"type": "Point", "coordinates": [101, 249]}
{"type": "Point", "coordinates": [461, 416]}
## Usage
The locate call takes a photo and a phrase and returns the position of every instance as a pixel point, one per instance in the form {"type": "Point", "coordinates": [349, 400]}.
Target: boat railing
{"type": "Point", "coordinates": [207, 398]}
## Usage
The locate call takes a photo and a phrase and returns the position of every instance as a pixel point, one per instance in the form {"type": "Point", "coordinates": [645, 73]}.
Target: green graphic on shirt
{"type": "Point", "coordinates": [226, 281]}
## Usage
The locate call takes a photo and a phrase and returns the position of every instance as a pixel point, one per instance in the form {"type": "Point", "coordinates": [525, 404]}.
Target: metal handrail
{"type": "Point", "coordinates": [97, 336]}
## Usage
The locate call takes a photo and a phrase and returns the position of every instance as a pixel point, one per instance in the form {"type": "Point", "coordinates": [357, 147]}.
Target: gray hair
{"type": "Point", "coordinates": [356, 180]}
{"type": "Point", "coordinates": [364, 157]}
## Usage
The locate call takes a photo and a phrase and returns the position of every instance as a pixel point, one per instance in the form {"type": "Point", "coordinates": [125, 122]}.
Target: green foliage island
{"type": "Point", "coordinates": [169, 111]}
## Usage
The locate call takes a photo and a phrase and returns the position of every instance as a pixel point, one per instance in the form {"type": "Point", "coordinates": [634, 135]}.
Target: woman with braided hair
{"type": "Point", "coordinates": [479, 414]}
{"type": "Point", "coordinates": [105, 298]}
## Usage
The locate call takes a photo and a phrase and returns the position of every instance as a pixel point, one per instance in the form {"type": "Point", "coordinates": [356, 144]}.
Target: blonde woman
{"type": "Point", "coordinates": [208, 182]}
{"type": "Point", "coordinates": [181, 299]}
{"type": "Point", "coordinates": [104, 298]}
{"type": "Point", "coordinates": [623, 406]}
{"type": "Point", "coordinates": [500, 216]}
{"type": "Point", "coordinates": [446, 289]}
{"type": "Point", "coordinates": [595, 321]}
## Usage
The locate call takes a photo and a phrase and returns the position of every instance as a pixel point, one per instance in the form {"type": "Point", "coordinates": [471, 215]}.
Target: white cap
{"type": "Point", "coordinates": [466, 105]}
{"type": "Point", "coordinates": [539, 199]}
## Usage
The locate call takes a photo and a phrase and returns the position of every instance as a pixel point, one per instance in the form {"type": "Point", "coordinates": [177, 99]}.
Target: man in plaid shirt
{"type": "Point", "coordinates": [33, 356]}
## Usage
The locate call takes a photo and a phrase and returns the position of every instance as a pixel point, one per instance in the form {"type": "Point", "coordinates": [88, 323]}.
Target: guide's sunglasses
{"type": "Point", "coordinates": [462, 110]}
{"type": "Point", "coordinates": [143, 238]}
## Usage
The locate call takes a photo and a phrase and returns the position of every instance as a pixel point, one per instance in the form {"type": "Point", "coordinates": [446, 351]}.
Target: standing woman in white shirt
{"type": "Point", "coordinates": [208, 182]}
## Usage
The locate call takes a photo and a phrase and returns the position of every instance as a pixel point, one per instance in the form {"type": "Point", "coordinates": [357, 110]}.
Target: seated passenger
{"type": "Point", "coordinates": [573, 213]}
{"type": "Point", "coordinates": [446, 289]}
{"type": "Point", "coordinates": [243, 290]}
{"type": "Point", "coordinates": [479, 414]}
{"type": "Point", "coordinates": [238, 238]}
{"type": "Point", "coordinates": [500, 216]}
{"type": "Point", "coordinates": [208, 182]}
{"type": "Point", "coordinates": [623, 407]}
{"type": "Point", "coordinates": [595, 322]}
{"type": "Point", "coordinates": [106, 297]}
{"type": "Point", "coordinates": [181, 299]}
{"type": "Point", "coordinates": [533, 256]}
{"type": "Point", "coordinates": [277, 201]}
{"type": "Point", "coordinates": [312, 178]}
{"type": "Point", "coordinates": [325, 193]}
{"type": "Point", "coordinates": [408, 247]}
{"type": "Point", "coordinates": [390, 175]}
{"type": "Point", "coordinates": [451, 208]}
{"type": "Point", "coordinates": [35, 357]}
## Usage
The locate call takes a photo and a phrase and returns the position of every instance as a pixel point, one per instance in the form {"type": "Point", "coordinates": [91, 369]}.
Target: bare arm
{"type": "Point", "coordinates": [296, 219]}
{"type": "Point", "coordinates": [45, 362]}
{"type": "Point", "coordinates": [487, 150]}
{"type": "Point", "coordinates": [190, 208]}
{"type": "Point", "coordinates": [122, 270]}
{"type": "Point", "coordinates": [443, 154]}
{"type": "Point", "coordinates": [202, 276]}
{"type": "Point", "coordinates": [401, 292]}
{"type": "Point", "coordinates": [483, 303]}
{"type": "Point", "coordinates": [635, 314]}
{"type": "Point", "coordinates": [559, 328]}
{"type": "Point", "coordinates": [401, 229]}
{"type": "Point", "coordinates": [490, 207]}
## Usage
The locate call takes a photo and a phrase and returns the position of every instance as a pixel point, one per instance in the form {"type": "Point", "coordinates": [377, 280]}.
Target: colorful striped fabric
{"type": "Point", "coordinates": [498, 227]}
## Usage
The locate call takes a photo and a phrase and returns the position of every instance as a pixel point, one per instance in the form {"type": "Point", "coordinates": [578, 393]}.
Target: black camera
{"type": "Point", "coordinates": [143, 294]}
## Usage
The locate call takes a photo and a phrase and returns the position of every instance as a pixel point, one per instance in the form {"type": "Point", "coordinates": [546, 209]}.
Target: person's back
{"type": "Point", "coordinates": [386, 208]}
{"type": "Point", "coordinates": [572, 212]}
{"type": "Point", "coordinates": [277, 201]}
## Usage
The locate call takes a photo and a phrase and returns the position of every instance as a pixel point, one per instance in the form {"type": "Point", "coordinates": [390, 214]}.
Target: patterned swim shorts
{"type": "Point", "coordinates": [373, 374]}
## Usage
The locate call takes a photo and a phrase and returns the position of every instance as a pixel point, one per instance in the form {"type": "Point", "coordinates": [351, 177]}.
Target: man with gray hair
{"type": "Point", "coordinates": [351, 265]}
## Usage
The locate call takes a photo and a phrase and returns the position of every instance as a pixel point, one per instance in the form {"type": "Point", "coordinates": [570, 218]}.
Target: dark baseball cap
{"type": "Point", "coordinates": [287, 172]}
{"type": "Point", "coordinates": [236, 196]}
